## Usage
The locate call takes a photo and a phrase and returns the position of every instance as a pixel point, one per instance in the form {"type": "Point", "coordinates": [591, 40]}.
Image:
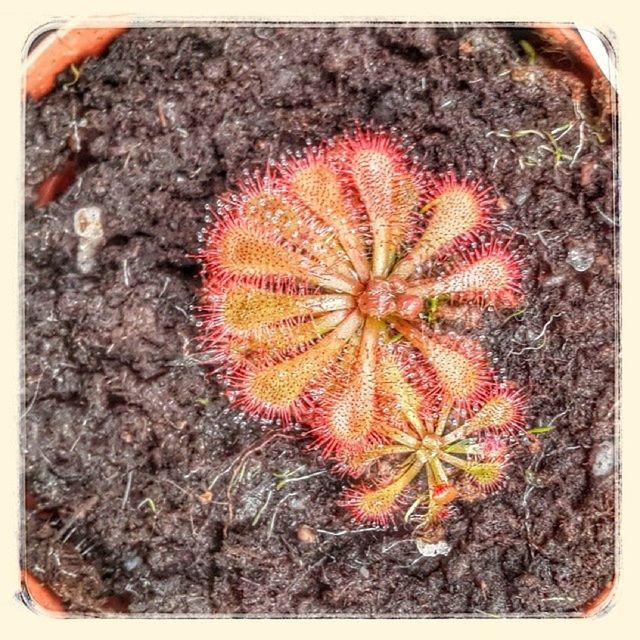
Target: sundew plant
{"type": "Point", "coordinates": [327, 285]}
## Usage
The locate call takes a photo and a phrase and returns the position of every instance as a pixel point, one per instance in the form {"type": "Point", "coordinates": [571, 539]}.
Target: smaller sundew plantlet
{"type": "Point", "coordinates": [322, 282]}
{"type": "Point", "coordinates": [431, 456]}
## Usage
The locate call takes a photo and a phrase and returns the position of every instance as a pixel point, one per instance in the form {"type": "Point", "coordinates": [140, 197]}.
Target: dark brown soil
{"type": "Point", "coordinates": [123, 432]}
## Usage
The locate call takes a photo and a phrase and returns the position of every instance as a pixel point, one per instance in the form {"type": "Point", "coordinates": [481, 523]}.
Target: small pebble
{"type": "Point", "coordinates": [502, 203]}
{"type": "Point", "coordinates": [87, 224]}
{"type": "Point", "coordinates": [131, 563]}
{"type": "Point", "coordinates": [306, 535]}
{"type": "Point", "coordinates": [433, 549]}
{"type": "Point", "coordinates": [586, 172]}
{"type": "Point", "coordinates": [296, 504]}
{"type": "Point", "coordinates": [169, 108]}
{"type": "Point", "coordinates": [580, 258]}
{"type": "Point", "coordinates": [99, 146]}
{"type": "Point", "coordinates": [602, 459]}
{"type": "Point", "coordinates": [554, 281]}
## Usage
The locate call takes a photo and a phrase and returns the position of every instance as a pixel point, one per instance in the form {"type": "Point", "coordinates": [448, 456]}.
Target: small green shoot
{"type": "Point", "coordinates": [151, 504]}
{"type": "Point", "coordinates": [431, 307]}
{"type": "Point", "coordinates": [466, 446]}
{"type": "Point", "coordinates": [552, 138]}
{"type": "Point", "coordinates": [515, 314]}
{"type": "Point", "coordinates": [600, 137]}
{"type": "Point", "coordinates": [521, 133]}
{"type": "Point", "coordinates": [429, 205]}
{"type": "Point", "coordinates": [544, 428]}
{"type": "Point", "coordinates": [76, 76]}
{"type": "Point", "coordinates": [261, 510]}
{"type": "Point", "coordinates": [529, 50]}
{"type": "Point", "coordinates": [238, 475]}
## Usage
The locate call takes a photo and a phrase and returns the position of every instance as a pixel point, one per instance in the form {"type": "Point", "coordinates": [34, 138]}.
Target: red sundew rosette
{"type": "Point", "coordinates": [314, 273]}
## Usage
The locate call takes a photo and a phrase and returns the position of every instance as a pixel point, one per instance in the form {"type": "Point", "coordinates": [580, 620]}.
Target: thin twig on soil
{"type": "Point", "coordinates": [547, 323]}
{"type": "Point", "coordinates": [286, 479]}
{"type": "Point", "coordinates": [35, 394]}
{"type": "Point", "coordinates": [239, 463]}
{"type": "Point", "coordinates": [346, 532]}
{"type": "Point", "coordinates": [262, 509]}
{"type": "Point", "coordinates": [161, 116]}
{"type": "Point", "coordinates": [164, 287]}
{"type": "Point", "coordinates": [395, 544]}
{"type": "Point", "coordinates": [75, 442]}
{"type": "Point", "coordinates": [177, 486]}
{"type": "Point", "coordinates": [275, 512]}
{"type": "Point", "coordinates": [255, 584]}
{"type": "Point", "coordinates": [78, 514]}
{"type": "Point", "coordinates": [406, 566]}
{"type": "Point", "coordinates": [486, 614]}
{"type": "Point", "coordinates": [222, 473]}
{"type": "Point", "coordinates": [127, 490]}
{"type": "Point", "coordinates": [542, 335]}
{"type": "Point", "coordinates": [558, 415]}
{"type": "Point", "coordinates": [182, 311]}
{"type": "Point", "coordinates": [82, 426]}
{"type": "Point", "coordinates": [544, 242]}
{"type": "Point", "coordinates": [131, 150]}
{"type": "Point", "coordinates": [582, 120]}
{"type": "Point", "coordinates": [536, 348]}
{"type": "Point", "coordinates": [605, 217]}
{"type": "Point", "coordinates": [558, 599]}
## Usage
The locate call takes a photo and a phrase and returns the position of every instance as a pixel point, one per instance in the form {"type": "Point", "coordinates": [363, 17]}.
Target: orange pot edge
{"type": "Point", "coordinates": [41, 594]}
{"type": "Point", "coordinates": [570, 39]}
{"type": "Point", "coordinates": [61, 49]}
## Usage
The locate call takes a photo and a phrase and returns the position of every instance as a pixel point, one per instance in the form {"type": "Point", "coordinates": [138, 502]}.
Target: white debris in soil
{"type": "Point", "coordinates": [526, 335]}
{"type": "Point", "coordinates": [297, 504]}
{"type": "Point", "coordinates": [602, 459]}
{"type": "Point", "coordinates": [554, 281]}
{"type": "Point", "coordinates": [87, 224]}
{"type": "Point", "coordinates": [131, 563]}
{"type": "Point", "coordinates": [580, 258]}
{"type": "Point", "coordinates": [433, 549]}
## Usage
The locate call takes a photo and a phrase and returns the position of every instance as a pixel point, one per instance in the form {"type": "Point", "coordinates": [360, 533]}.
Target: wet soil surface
{"type": "Point", "coordinates": [146, 493]}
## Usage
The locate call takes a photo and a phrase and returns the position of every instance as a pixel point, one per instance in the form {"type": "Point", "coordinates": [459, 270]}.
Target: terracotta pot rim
{"type": "Point", "coordinates": [58, 50]}
{"type": "Point", "coordinates": [76, 41]}
{"type": "Point", "coordinates": [574, 39]}
{"type": "Point", "coordinates": [40, 597]}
